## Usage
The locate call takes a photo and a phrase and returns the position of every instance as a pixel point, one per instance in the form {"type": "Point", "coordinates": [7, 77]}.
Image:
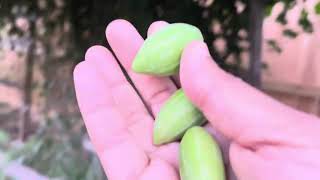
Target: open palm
{"type": "Point", "coordinates": [119, 122]}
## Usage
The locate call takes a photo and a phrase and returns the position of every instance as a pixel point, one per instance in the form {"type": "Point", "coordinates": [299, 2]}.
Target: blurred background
{"type": "Point", "coordinates": [273, 45]}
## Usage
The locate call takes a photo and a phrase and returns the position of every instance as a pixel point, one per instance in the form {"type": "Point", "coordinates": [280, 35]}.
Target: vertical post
{"type": "Point", "coordinates": [25, 120]}
{"type": "Point", "coordinates": [255, 37]}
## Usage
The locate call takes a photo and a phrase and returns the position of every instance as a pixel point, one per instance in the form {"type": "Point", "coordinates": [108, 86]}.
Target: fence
{"type": "Point", "coordinates": [304, 98]}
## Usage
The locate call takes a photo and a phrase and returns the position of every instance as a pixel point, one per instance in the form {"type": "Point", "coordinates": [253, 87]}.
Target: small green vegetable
{"type": "Point", "coordinates": [200, 156]}
{"type": "Point", "coordinates": [175, 117]}
{"type": "Point", "coordinates": [160, 54]}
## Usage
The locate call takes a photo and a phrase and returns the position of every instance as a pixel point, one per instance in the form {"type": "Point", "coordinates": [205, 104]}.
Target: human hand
{"type": "Point", "coordinates": [268, 139]}
{"type": "Point", "coordinates": [119, 125]}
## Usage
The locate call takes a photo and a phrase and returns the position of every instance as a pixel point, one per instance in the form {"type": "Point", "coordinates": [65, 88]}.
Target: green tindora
{"type": "Point", "coordinates": [161, 52]}
{"type": "Point", "coordinates": [175, 117]}
{"type": "Point", "coordinates": [200, 156]}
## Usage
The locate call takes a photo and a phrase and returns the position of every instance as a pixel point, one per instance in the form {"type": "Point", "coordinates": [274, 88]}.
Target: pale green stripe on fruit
{"type": "Point", "coordinates": [160, 53]}
{"type": "Point", "coordinates": [175, 117]}
{"type": "Point", "coordinates": [200, 156]}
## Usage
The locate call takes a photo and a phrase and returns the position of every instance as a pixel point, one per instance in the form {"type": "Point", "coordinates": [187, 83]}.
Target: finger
{"type": "Point", "coordinates": [156, 26]}
{"type": "Point", "coordinates": [95, 103]}
{"type": "Point", "coordinates": [125, 42]}
{"type": "Point", "coordinates": [106, 127]}
{"type": "Point", "coordinates": [125, 100]}
{"type": "Point", "coordinates": [234, 108]}
{"type": "Point", "coordinates": [123, 95]}
{"type": "Point", "coordinates": [154, 90]}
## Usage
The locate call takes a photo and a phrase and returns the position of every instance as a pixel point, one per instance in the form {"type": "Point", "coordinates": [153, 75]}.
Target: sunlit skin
{"type": "Point", "coordinates": [267, 140]}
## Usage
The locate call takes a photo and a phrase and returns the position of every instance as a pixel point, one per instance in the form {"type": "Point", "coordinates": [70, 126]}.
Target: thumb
{"type": "Point", "coordinates": [234, 108]}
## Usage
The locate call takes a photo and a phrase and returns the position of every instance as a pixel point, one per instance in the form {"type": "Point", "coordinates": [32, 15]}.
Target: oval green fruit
{"type": "Point", "coordinates": [175, 117]}
{"type": "Point", "coordinates": [200, 156]}
{"type": "Point", "coordinates": [160, 53]}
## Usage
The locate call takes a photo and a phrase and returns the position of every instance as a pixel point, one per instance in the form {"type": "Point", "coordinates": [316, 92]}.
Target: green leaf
{"type": "Point", "coordinates": [290, 33]}
{"type": "Point", "coordinates": [304, 22]}
{"type": "Point", "coordinates": [282, 18]}
{"type": "Point", "coordinates": [317, 8]}
{"type": "Point", "coordinates": [2, 176]}
{"type": "Point", "coordinates": [274, 45]}
{"type": "Point", "coordinates": [268, 10]}
{"type": "Point", "coordinates": [94, 170]}
{"type": "Point", "coordinates": [4, 137]}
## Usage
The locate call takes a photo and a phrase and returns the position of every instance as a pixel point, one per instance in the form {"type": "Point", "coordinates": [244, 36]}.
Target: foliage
{"type": "Point", "coordinates": [290, 33]}
{"type": "Point", "coordinates": [317, 8]}
{"type": "Point", "coordinates": [304, 21]}
{"type": "Point", "coordinates": [57, 151]}
{"type": "Point", "coordinates": [273, 44]}
{"type": "Point", "coordinates": [219, 20]}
